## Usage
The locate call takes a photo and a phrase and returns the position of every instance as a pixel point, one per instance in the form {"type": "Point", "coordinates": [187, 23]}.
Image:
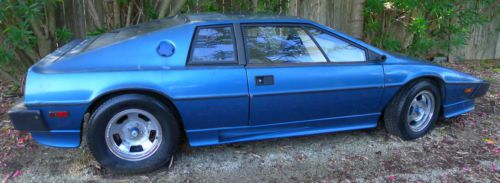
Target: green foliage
{"type": "Point", "coordinates": [96, 32]}
{"type": "Point", "coordinates": [63, 34]}
{"type": "Point", "coordinates": [16, 22]}
{"type": "Point", "coordinates": [268, 6]}
{"type": "Point", "coordinates": [19, 35]}
{"type": "Point", "coordinates": [432, 27]}
{"type": "Point", "coordinates": [150, 10]}
{"type": "Point", "coordinates": [6, 54]}
{"type": "Point", "coordinates": [390, 43]}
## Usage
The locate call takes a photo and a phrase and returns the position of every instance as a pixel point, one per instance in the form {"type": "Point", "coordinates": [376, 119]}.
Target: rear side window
{"type": "Point", "coordinates": [336, 49]}
{"type": "Point", "coordinates": [213, 45]}
{"type": "Point", "coordinates": [280, 44]}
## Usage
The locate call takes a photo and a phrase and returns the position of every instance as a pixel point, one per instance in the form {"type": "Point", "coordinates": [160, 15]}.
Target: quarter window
{"type": "Point", "coordinates": [336, 49]}
{"type": "Point", "coordinates": [280, 44]}
{"type": "Point", "coordinates": [213, 45]}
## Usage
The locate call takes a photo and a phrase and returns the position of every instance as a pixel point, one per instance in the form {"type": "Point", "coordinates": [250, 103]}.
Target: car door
{"type": "Point", "coordinates": [303, 74]}
{"type": "Point", "coordinates": [212, 91]}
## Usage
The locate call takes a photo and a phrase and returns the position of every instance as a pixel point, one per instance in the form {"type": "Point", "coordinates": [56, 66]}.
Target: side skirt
{"type": "Point", "coordinates": [205, 137]}
{"type": "Point", "coordinates": [458, 108]}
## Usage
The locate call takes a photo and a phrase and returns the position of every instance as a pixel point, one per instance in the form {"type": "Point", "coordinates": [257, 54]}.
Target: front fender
{"type": "Point", "coordinates": [454, 83]}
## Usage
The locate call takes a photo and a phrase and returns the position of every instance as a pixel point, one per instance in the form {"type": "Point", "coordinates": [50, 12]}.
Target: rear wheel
{"type": "Point", "coordinates": [413, 111]}
{"type": "Point", "coordinates": [132, 134]}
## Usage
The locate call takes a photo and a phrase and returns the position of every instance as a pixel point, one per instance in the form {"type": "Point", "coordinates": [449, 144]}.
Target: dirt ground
{"type": "Point", "coordinates": [461, 149]}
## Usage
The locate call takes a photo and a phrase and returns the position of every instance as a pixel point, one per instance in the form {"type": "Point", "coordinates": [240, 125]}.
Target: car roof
{"type": "Point", "coordinates": [250, 17]}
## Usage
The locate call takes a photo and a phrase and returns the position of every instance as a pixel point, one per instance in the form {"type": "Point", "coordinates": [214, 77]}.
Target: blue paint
{"type": "Point", "coordinates": [221, 104]}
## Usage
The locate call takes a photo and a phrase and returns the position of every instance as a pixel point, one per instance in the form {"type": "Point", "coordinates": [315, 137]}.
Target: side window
{"type": "Point", "coordinates": [280, 44]}
{"type": "Point", "coordinates": [213, 45]}
{"type": "Point", "coordinates": [336, 49]}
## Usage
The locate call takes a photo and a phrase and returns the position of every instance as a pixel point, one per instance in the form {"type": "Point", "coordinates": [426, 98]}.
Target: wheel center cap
{"type": "Point", "coordinates": [134, 132]}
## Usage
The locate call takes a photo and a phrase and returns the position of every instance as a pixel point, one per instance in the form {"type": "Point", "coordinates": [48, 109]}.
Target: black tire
{"type": "Point", "coordinates": [101, 117]}
{"type": "Point", "coordinates": [396, 118]}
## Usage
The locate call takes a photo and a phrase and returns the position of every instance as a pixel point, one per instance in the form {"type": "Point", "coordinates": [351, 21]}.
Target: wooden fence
{"type": "Point", "coordinates": [342, 15]}
{"type": "Point", "coordinates": [483, 42]}
{"type": "Point", "coordinates": [346, 16]}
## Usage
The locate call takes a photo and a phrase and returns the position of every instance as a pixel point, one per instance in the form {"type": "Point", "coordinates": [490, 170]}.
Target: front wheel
{"type": "Point", "coordinates": [413, 111]}
{"type": "Point", "coordinates": [132, 134]}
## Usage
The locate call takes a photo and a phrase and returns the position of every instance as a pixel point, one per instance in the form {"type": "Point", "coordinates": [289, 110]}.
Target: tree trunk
{"type": "Point", "coordinates": [51, 24]}
{"type": "Point", "coordinates": [177, 7]}
{"type": "Point", "coordinates": [44, 44]}
{"type": "Point", "coordinates": [116, 14]}
{"type": "Point", "coordinates": [164, 5]}
{"type": "Point", "coordinates": [255, 4]}
{"type": "Point", "coordinates": [357, 18]}
{"type": "Point", "coordinates": [129, 13]}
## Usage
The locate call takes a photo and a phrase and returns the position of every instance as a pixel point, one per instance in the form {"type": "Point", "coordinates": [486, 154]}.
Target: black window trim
{"type": "Point", "coordinates": [316, 43]}
{"type": "Point", "coordinates": [303, 25]}
{"type": "Point", "coordinates": [213, 63]}
{"type": "Point", "coordinates": [340, 38]}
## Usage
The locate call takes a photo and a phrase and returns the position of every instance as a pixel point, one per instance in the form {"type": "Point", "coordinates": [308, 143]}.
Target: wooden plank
{"type": "Point", "coordinates": [341, 15]}
{"type": "Point", "coordinates": [483, 42]}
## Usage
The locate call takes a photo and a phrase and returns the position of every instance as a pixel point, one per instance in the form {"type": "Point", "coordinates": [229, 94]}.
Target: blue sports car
{"type": "Point", "coordinates": [135, 92]}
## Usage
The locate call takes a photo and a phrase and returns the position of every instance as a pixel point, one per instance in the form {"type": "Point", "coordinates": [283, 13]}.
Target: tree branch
{"type": "Point", "coordinates": [94, 15]}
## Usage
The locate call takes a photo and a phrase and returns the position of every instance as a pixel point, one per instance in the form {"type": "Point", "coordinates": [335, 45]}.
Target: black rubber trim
{"type": "Point", "coordinates": [25, 119]}
{"type": "Point", "coordinates": [481, 90]}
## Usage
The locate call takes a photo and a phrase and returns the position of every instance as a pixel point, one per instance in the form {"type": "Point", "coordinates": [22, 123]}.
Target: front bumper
{"type": "Point", "coordinates": [27, 120]}
{"type": "Point", "coordinates": [481, 90]}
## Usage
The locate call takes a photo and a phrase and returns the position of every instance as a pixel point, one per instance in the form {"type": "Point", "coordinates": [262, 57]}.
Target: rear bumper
{"type": "Point", "coordinates": [481, 90]}
{"type": "Point", "coordinates": [34, 121]}
{"type": "Point", "coordinates": [27, 120]}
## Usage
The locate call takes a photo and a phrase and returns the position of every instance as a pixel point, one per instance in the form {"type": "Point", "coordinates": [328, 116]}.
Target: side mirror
{"type": "Point", "coordinates": [382, 58]}
{"type": "Point", "coordinates": [375, 57]}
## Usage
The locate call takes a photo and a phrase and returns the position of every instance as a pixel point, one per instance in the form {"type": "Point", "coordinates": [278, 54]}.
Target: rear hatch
{"type": "Point", "coordinates": [72, 47]}
{"type": "Point", "coordinates": [76, 47]}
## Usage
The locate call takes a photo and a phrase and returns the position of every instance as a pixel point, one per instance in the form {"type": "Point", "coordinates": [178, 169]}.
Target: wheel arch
{"type": "Point", "coordinates": [438, 81]}
{"type": "Point", "coordinates": [99, 100]}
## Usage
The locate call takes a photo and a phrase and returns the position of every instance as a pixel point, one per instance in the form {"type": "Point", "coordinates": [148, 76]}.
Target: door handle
{"type": "Point", "coordinates": [264, 80]}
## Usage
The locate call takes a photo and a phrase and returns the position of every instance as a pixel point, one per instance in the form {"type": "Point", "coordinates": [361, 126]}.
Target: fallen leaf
{"type": "Point", "coordinates": [496, 151]}
{"type": "Point", "coordinates": [391, 178]}
{"type": "Point", "coordinates": [17, 173]}
{"type": "Point", "coordinates": [489, 141]}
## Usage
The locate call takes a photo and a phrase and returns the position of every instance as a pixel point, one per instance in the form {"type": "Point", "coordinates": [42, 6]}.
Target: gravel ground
{"type": "Point", "coordinates": [462, 149]}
